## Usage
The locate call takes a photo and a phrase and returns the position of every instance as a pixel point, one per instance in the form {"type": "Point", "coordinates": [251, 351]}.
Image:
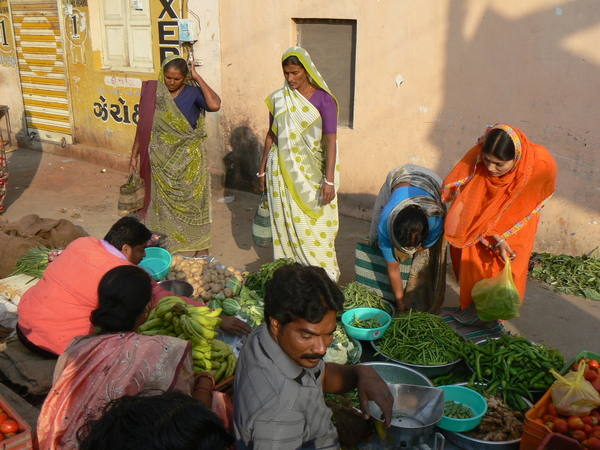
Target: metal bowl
{"type": "Point", "coordinates": [415, 412]}
{"type": "Point", "coordinates": [178, 287]}
{"type": "Point", "coordinates": [393, 373]}
{"type": "Point", "coordinates": [428, 371]}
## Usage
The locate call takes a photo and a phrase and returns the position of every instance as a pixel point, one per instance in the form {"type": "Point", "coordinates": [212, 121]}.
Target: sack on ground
{"type": "Point", "coordinates": [497, 297]}
{"type": "Point", "coordinates": [573, 394]}
{"type": "Point", "coordinates": [131, 195]}
{"type": "Point", "coordinates": [261, 225]}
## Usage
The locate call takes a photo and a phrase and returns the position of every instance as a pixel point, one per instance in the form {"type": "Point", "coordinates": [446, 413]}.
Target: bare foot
{"type": "Point", "coordinates": [201, 253]}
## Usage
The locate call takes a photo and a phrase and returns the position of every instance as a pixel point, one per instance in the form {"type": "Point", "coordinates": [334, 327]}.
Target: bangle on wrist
{"type": "Point", "coordinates": [203, 388]}
{"type": "Point", "coordinates": [205, 375]}
{"type": "Point", "coordinates": [260, 174]}
{"type": "Point", "coordinates": [499, 242]}
{"type": "Point", "coordinates": [328, 182]}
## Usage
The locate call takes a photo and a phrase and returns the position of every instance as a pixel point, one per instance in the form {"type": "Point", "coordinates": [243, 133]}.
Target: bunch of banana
{"type": "Point", "coordinates": [223, 362]}
{"type": "Point", "coordinates": [197, 324]}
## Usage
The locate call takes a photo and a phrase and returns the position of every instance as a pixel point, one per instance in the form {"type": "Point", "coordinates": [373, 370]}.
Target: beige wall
{"type": "Point", "coordinates": [465, 64]}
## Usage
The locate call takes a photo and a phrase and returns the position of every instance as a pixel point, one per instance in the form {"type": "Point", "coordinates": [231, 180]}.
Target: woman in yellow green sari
{"type": "Point", "coordinates": [172, 157]}
{"type": "Point", "coordinates": [299, 167]}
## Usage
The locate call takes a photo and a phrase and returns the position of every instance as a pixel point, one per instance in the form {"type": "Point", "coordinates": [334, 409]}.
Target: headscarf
{"type": "Point", "coordinates": [188, 78]}
{"type": "Point", "coordinates": [484, 205]}
{"type": "Point", "coordinates": [311, 69]}
{"type": "Point", "coordinates": [416, 176]}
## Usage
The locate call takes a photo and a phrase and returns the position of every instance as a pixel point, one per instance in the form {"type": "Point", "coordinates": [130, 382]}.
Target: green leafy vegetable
{"type": "Point", "coordinates": [575, 275]}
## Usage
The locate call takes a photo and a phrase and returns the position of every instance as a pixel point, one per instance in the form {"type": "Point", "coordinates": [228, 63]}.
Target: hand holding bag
{"type": "Point", "coordinates": [261, 225]}
{"type": "Point", "coordinates": [497, 297]}
{"type": "Point", "coordinates": [131, 195]}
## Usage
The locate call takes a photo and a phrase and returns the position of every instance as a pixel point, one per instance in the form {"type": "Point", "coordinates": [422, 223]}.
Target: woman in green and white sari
{"type": "Point", "coordinates": [299, 166]}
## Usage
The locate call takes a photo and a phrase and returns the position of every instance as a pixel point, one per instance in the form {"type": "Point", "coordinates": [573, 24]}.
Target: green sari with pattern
{"type": "Point", "coordinates": [180, 189]}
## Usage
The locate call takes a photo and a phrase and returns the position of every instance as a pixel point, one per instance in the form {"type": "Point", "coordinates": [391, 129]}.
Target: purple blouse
{"type": "Point", "coordinates": [326, 106]}
{"type": "Point", "coordinates": [191, 102]}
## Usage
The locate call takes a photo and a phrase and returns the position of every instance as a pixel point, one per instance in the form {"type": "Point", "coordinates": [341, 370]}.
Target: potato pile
{"type": "Point", "coordinates": [206, 278]}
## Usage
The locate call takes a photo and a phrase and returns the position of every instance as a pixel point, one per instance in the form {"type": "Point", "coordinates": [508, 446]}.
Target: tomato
{"type": "Point", "coordinates": [539, 421]}
{"type": "Point", "coordinates": [587, 429]}
{"type": "Point", "coordinates": [587, 419]}
{"type": "Point", "coordinates": [593, 364]}
{"type": "Point", "coordinates": [574, 422]}
{"type": "Point", "coordinates": [579, 435]}
{"type": "Point", "coordinates": [596, 384]}
{"type": "Point", "coordinates": [590, 375]}
{"type": "Point", "coordinates": [3, 417]}
{"type": "Point", "coordinates": [552, 409]}
{"type": "Point", "coordinates": [549, 425]}
{"type": "Point", "coordinates": [594, 420]}
{"type": "Point", "coordinates": [9, 426]}
{"type": "Point", "coordinates": [561, 426]}
{"type": "Point", "coordinates": [575, 367]}
{"type": "Point", "coordinates": [9, 435]}
{"type": "Point", "coordinates": [548, 418]}
{"type": "Point", "coordinates": [595, 413]}
{"type": "Point", "coordinates": [1, 437]}
{"type": "Point", "coordinates": [593, 443]}
{"type": "Point", "coordinates": [596, 434]}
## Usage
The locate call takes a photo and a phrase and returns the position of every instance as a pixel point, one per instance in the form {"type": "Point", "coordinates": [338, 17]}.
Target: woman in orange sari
{"type": "Point", "coordinates": [497, 191]}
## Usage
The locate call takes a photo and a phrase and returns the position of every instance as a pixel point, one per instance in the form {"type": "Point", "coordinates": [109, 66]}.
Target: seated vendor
{"type": "Point", "coordinates": [58, 307]}
{"type": "Point", "coordinates": [281, 378]}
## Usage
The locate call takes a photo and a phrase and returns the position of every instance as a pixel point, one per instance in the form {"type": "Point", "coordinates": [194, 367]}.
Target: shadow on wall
{"type": "Point", "coordinates": [242, 163]}
{"type": "Point", "coordinates": [517, 71]}
{"type": "Point", "coordinates": [22, 167]}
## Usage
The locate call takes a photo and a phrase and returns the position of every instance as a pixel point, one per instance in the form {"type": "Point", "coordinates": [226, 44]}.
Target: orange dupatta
{"type": "Point", "coordinates": [484, 205]}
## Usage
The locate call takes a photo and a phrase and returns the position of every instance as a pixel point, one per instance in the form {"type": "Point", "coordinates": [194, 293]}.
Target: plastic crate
{"type": "Point", "coordinates": [583, 354]}
{"type": "Point", "coordinates": [21, 441]}
{"type": "Point", "coordinates": [556, 441]}
{"type": "Point", "coordinates": [533, 432]}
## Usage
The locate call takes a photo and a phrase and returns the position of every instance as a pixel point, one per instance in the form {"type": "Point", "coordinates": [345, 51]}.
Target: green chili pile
{"type": "Point", "coordinates": [358, 295]}
{"type": "Point", "coordinates": [420, 338]}
{"type": "Point", "coordinates": [373, 322]}
{"type": "Point", "coordinates": [457, 410]}
{"type": "Point", "coordinates": [511, 365]}
{"type": "Point", "coordinates": [576, 275]}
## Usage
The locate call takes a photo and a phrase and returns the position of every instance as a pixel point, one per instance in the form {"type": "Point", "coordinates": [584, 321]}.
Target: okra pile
{"type": "Point", "coordinates": [512, 366]}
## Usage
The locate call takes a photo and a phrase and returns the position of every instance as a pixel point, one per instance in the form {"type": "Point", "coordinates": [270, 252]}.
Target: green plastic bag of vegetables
{"type": "Point", "coordinates": [497, 297]}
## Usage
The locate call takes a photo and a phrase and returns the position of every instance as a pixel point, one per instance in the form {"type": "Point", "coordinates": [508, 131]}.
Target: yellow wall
{"type": "Point", "coordinates": [104, 101]}
{"type": "Point", "coordinates": [10, 90]}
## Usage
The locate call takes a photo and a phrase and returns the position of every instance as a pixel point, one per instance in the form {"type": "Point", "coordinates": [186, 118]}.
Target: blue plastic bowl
{"type": "Point", "coordinates": [156, 262]}
{"type": "Point", "coordinates": [467, 397]}
{"type": "Point", "coordinates": [366, 334]}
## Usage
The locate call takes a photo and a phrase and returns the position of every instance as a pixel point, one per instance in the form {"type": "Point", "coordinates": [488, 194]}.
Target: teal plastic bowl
{"type": "Point", "coordinates": [467, 397]}
{"type": "Point", "coordinates": [366, 334]}
{"type": "Point", "coordinates": [156, 262]}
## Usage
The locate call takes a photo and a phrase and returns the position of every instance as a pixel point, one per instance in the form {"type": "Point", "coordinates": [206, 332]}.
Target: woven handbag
{"type": "Point", "coordinates": [131, 195]}
{"type": "Point", "coordinates": [261, 225]}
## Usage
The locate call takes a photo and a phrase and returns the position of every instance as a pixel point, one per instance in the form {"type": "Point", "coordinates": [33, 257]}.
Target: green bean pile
{"type": "Point", "coordinates": [420, 338]}
{"type": "Point", "coordinates": [513, 366]}
{"type": "Point", "coordinates": [373, 322]}
{"type": "Point", "coordinates": [457, 410]}
{"type": "Point", "coordinates": [358, 295]}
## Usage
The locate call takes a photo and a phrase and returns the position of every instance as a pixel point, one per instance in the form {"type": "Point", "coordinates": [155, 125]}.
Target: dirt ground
{"type": "Point", "coordinates": [56, 187]}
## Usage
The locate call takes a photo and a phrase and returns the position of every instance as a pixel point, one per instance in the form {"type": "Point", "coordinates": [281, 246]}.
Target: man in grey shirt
{"type": "Point", "coordinates": [281, 377]}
